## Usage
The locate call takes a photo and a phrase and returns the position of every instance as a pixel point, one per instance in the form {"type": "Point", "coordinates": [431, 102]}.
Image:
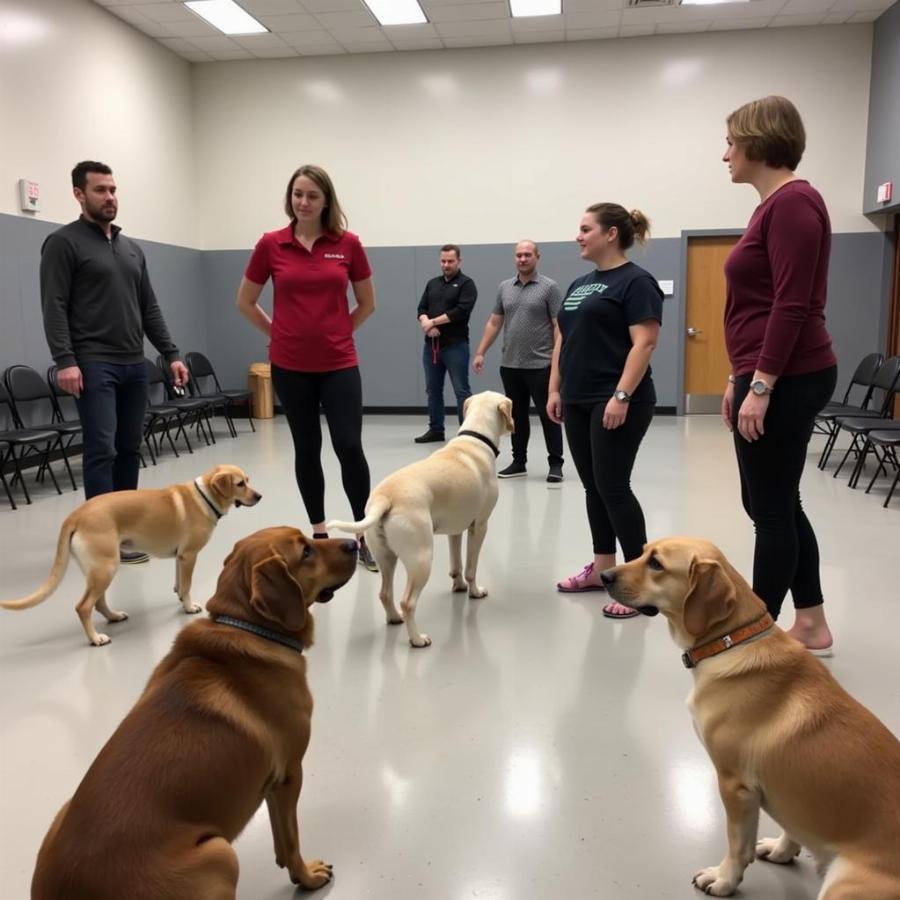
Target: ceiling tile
{"type": "Point", "coordinates": [165, 12]}
{"type": "Point", "coordinates": [803, 7]}
{"type": "Point", "coordinates": [478, 41]}
{"type": "Point", "coordinates": [488, 28]}
{"type": "Point", "coordinates": [409, 32]}
{"type": "Point", "coordinates": [836, 18]}
{"type": "Point", "coordinates": [271, 7]}
{"type": "Point", "coordinates": [421, 44]}
{"type": "Point", "coordinates": [196, 56]}
{"type": "Point", "coordinates": [539, 23]}
{"type": "Point", "coordinates": [468, 11]}
{"type": "Point", "coordinates": [307, 38]}
{"type": "Point", "coordinates": [348, 36]}
{"type": "Point", "coordinates": [591, 34]}
{"type": "Point", "coordinates": [683, 27]}
{"type": "Point", "coordinates": [370, 48]}
{"type": "Point", "coordinates": [855, 6]}
{"type": "Point", "coordinates": [324, 50]}
{"type": "Point", "coordinates": [739, 24]}
{"type": "Point", "coordinates": [256, 42]}
{"type": "Point", "coordinates": [636, 30]}
{"type": "Point", "coordinates": [539, 37]}
{"type": "Point", "coordinates": [198, 28]}
{"type": "Point", "coordinates": [274, 53]}
{"type": "Point", "coordinates": [357, 19]}
{"type": "Point", "coordinates": [326, 6]}
{"type": "Point", "coordinates": [214, 44]}
{"type": "Point", "coordinates": [593, 20]}
{"type": "Point", "coordinates": [298, 22]}
{"type": "Point", "coordinates": [578, 6]}
{"type": "Point", "coordinates": [229, 55]}
{"type": "Point", "coordinates": [796, 21]}
{"type": "Point", "coordinates": [869, 15]}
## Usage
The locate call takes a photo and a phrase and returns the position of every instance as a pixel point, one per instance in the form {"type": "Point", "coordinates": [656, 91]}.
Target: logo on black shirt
{"type": "Point", "coordinates": [573, 301]}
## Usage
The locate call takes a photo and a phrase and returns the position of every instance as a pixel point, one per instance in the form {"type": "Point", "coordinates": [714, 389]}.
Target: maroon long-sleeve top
{"type": "Point", "coordinates": [777, 277]}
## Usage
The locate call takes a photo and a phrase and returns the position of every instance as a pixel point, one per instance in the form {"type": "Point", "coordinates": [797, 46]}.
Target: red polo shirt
{"type": "Point", "coordinates": [311, 326]}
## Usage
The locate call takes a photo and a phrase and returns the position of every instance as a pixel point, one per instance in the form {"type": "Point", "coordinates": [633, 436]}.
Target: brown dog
{"type": "Point", "coordinates": [223, 723]}
{"type": "Point", "coordinates": [174, 521]}
{"type": "Point", "coordinates": [781, 732]}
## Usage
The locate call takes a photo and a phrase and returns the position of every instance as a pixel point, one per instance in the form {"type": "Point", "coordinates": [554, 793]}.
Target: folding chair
{"type": "Point", "coordinates": [201, 372]}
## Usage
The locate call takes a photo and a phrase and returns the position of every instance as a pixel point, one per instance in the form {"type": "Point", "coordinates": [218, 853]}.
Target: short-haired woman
{"type": "Point", "coordinates": [783, 370]}
{"type": "Point", "coordinates": [314, 363]}
{"type": "Point", "coordinates": [601, 387]}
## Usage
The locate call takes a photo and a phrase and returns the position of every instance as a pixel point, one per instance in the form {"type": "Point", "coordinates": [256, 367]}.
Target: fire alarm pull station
{"type": "Point", "coordinates": [29, 195]}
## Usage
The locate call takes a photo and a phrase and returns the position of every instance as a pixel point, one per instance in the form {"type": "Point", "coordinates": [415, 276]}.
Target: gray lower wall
{"type": "Point", "coordinates": [883, 138]}
{"type": "Point", "coordinates": [196, 291]}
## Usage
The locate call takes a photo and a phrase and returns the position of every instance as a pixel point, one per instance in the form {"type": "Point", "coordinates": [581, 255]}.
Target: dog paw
{"type": "Point", "coordinates": [421, 641]}
{"type": "Point", "coordinates": [101, 640]}
{"type": "Point", "coordinates": [192, 608]}
{"type": "Point", "coordinates": [313, 875]}
{"type": "Point", "coordinates": [117, 617]}
{"type": "Point", "coordinates": [711, 882]}
{"type": "Point", "coordinates": [476, 592]}
{"type": "Point", "coordinates": [777, 850]}
{"type": "Point", "coordinates": [395, 620]}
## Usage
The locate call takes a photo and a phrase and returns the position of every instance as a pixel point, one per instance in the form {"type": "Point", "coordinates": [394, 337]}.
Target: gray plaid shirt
{"type": "Point", "coordinates": [528, 311]}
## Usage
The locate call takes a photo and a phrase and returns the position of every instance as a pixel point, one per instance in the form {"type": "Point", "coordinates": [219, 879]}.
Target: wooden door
{"type": "Point", "coordinates": [706, 365]}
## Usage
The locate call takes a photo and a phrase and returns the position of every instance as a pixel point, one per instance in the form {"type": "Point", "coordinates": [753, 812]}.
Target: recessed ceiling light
{"type": "Point", "coordinates": [709, 2]}
{"type": "Point", "coordinates": [521, 8]}
{"type": "Point", "coordinates": [396, 12]}
{"type": "Point", "coordinates": [227, 16]}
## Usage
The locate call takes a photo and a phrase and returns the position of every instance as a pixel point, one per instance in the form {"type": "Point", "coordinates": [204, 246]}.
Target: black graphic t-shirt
{"type": "Point", "coordinates": [594, 320]}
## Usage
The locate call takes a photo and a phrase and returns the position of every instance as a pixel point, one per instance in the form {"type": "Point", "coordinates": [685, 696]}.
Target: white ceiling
{"type": "Point", "coordinates": [329, 27]}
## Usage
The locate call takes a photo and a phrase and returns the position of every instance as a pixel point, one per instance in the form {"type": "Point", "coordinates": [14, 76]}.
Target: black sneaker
{"type": "Point", "coordinates": [555, 474]}
{"type": "Point", "coordinates": [513, 470]}
{"type": "Point", "coordinates": [133, 557]}
{"type": "Point", "coordinates": [430, 437]}
{"type": "Point", "coordinates": [365, 557]}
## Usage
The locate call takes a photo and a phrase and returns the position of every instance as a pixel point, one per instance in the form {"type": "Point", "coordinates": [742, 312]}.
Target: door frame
{"type": "Point", "coordinates": [681, 292]}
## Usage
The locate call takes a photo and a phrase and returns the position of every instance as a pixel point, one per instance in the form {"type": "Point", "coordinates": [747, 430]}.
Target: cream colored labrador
{"type": "Point", "coordinates": [452, 491]}
{"type": "Point", "coordinates": [783, 735]}
{"type": "Point", "coordinates": [173, 521]}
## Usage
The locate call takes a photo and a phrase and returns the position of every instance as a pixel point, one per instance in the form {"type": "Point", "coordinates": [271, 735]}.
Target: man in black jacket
{"type": "Point", "coordinates": [98, 304]}
{"type": "Point", "coordinates": [444, 312]}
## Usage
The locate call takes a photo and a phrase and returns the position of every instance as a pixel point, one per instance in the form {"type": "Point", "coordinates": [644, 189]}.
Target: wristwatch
{"type": "Point", "coordinates": [622, 396]}
{"type": "Point", "coordinates": [760, 388]}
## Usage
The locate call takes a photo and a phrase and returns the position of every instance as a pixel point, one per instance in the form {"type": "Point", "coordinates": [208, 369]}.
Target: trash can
{"type": "Point", "coordinates": [261, 391]}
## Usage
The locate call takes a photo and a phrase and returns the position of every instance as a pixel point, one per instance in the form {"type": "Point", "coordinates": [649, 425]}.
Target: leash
{"type": "Point", "coordinates": [259, 631]}
{"type": "Point", "coordinates": [486, 440]}
{"type": "Point", "coordinates": [435, 350]}
{"type": "Point", "coordinates": [209, 502]}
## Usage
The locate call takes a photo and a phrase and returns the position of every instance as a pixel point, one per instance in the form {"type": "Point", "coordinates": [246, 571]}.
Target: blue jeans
{"type": "Point", "coordinates": [455, 360]}
{"type": "Point", "coordinates": [111, 408]}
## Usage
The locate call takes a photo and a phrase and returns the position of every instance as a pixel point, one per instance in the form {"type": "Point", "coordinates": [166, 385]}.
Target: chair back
{"type": "Point", "coordinates": [157, 392]}
{"type": "Point", "coordinates": [8, 420]}
{"type": "Point", "coordinates": [863, 376]}
{"type": "Point", "coordinates": [885, 380]}
{"type": "Point", "coordinates": [64, 408]}
{"type": "Point", "coordinates": [32, 402]}
{"type": "Point", "coordinates": [203, 381]}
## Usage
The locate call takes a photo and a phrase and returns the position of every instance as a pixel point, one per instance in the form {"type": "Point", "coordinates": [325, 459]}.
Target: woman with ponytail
{"type": "Point", "coordinates": [601, 387]}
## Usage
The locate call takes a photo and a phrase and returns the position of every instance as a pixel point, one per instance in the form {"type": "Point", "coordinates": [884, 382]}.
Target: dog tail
{"type": "Point", "coordinates": [376, 512]}
{"type": "Point", "coordinates": [57, 570]}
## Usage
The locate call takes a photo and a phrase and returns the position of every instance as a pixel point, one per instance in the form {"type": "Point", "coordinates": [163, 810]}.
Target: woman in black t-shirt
{"type": "Point", "coordinates": [601, 387]}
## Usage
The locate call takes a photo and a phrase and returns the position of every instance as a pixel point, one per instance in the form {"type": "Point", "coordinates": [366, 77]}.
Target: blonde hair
{"type": "Point", "coordinates": [333, 218]}
{"type": "Point", "coordinates": [769, 130]}
{"type": "Point", "coordinates": [630, 225]}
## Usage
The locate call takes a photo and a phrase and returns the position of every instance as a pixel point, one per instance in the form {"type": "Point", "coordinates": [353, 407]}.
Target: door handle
{"type": "Point", "coordinates": [693, 332]}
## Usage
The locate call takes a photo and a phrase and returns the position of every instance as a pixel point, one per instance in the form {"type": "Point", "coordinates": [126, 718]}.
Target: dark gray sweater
{"type": "Point", "coordinates": [96, 298]}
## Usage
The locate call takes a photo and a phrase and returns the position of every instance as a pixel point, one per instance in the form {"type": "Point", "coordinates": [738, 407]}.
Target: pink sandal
{"type": "Point", "coordinates": [615, 610]}
{"type": "Point", "coordinates": [583, 581]}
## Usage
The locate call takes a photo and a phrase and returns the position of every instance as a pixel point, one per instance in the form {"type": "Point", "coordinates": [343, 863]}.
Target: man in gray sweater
{"type": "Point", "coordinates": [97, 305]}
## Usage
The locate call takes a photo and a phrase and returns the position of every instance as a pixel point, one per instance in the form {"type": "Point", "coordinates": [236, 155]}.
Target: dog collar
{"type": "Point", "coordinates": [691, 657]}
{"type": "Point", "coordinates": [259, 631]}
{"type": "Point", "coordinates": [467, 433]}
{"type": "Point", "coordinates": [209, 502]}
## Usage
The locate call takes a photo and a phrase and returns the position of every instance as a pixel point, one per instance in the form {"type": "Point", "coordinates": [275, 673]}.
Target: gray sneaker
{"type": "Point", "coordinates": [555, 474]}
{"type": "Point", "coordinates": [133, 557]}
{"type": "Point", "coordinates": [365, 557]}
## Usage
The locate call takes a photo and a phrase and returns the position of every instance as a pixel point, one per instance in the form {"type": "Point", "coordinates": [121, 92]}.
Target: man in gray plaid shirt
{"type": "Point", "coordinates": [526, 311]}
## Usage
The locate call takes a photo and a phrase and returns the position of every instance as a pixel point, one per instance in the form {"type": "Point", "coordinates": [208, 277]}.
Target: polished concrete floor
{"type": "Point", "coordinates": [537, 750]}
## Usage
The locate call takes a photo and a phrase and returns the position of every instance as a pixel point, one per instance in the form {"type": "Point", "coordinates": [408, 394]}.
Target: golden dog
{"type": "Point", "coordinates": [223, 724]}
{"type": "Point", "coordinates": [782, 734]}
{"type": "Point", "coordinates": [174, 521]}
{"type": "Point", "coordinates": [452, 491]}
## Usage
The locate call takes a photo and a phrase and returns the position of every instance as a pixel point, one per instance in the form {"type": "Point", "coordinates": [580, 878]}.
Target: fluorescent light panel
{"type": "Point", "coordinates": [227, 16]}
{"type": "Point", "coordinates": [709, 2]}
{"type": "Point", "coordinates": [396, 12]}
{"type": "Point", "coordinates": [521, 8]}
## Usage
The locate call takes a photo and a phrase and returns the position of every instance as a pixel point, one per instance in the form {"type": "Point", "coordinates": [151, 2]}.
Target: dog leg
{"type": "Point", "coordinates": [282, 802]}
{"type": "Point", "coordinates": [780, 850]}
{"type": "Point", "coordinates": [184, 573]}
{"type": "Point", "coordinates": [455, 541]}
{"type": "Point", "coordinates": [417, 571]}
{"type": "Point", "coordinates": [111, 615]}
{"type": "Point", "coordinates": [742, 811]}
{"type": "Point", "coordinates": [387, 565]}
{"type": "Point", "coordinates": [477, 532]}
{"type": "Point", "coordinates": [99, 577]}
{"type": "Point", "coordinates": [210, 871]}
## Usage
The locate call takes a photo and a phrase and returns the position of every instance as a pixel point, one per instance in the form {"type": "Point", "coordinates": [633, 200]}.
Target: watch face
{"type": "Point", "coordinates": [759, 388]}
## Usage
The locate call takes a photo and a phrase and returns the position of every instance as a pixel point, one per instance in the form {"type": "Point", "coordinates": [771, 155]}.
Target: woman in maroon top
{"type": "Point", "coordinates": [783, 367]}
{"type": "Point", "coordinates": [314, 362]}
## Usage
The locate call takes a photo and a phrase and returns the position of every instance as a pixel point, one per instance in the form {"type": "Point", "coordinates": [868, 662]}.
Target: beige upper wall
{"type": "Point", "coordinates": [487, 145]}
{"type": "Point", "coordinates": [78, 83]}
{"type": "Point", "coordinates": [482, 145]}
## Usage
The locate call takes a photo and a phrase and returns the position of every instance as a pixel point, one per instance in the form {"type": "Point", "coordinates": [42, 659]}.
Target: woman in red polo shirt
{"type": "Point", "coordinates": [314, 361]}
{"type": "Point", "coordinates": [783, 370]}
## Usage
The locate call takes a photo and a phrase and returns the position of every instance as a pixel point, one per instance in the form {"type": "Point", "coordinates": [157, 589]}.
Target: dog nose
{"type": "Point", "coordinates": [608, 577]}
{"type": "Point", "coordinates": [349, 546]}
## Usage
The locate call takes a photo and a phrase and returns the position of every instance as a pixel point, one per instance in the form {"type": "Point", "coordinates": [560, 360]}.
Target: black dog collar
{"type": "Point", "coordinates": [481, 437]}
{"type": "Point", "coordinates": [259, 631]}
{"type": "Point", "coordinates": [208, 502]}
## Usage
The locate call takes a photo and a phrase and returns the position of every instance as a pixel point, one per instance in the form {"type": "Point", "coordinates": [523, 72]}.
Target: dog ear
{"type": "Point", "coordinates": [506, 408]}
{"type": "Point", "coordinates": [222, 484]}
{"type": "Point", "coordinates": [276, 595]}
{"type": "Point", "coordinates": [710, 598]}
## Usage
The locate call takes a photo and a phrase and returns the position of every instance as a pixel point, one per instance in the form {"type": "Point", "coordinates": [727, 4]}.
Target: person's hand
{"type": "Point", "coordinates": [426, 323]}
{"type": "Point", "coordinates": [727, 404]}
{"type": "Point", "coordinates": [433, 332]}
{"type": "Point", "coordinates": [614, 414]}
{"type": "Point", "coordinates": [554, 407]}
{"type": "Point", "coordinates": [69, 380]}
{"type": "Point", "coordinates": [478, 363]}
{"type": "Point", "coordinates": [751, 416]}
{"type": "Point", "coordinates": [180, 373]}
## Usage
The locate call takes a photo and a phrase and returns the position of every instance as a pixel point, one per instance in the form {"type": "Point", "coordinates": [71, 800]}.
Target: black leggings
{"type": "Point", "coordinates": [340, 396]}
{"type": "Point", "coordinates": [787, 553]}
{"type": "Point", "coordinates": [522, 386]}
{"type": "Point", "coordinates": [604, 459]}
